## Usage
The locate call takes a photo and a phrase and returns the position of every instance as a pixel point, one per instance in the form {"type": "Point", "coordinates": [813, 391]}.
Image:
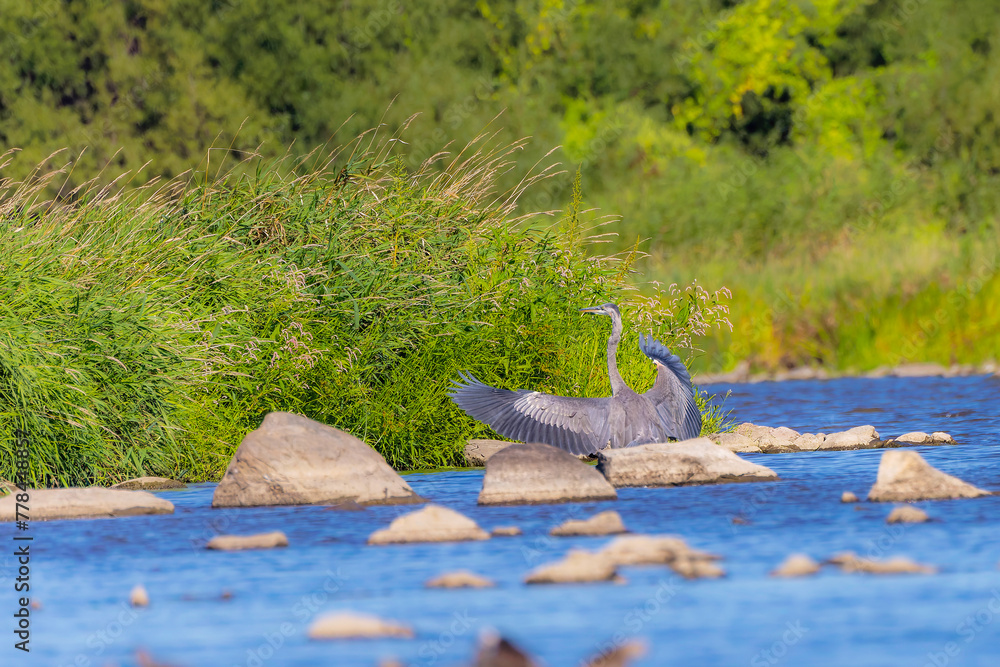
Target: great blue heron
{"type": "Point", "coordinates": [585, 425]}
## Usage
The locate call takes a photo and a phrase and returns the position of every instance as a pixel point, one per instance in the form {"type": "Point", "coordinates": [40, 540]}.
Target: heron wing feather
{"type": "Point", "coordinates": [672, 393]}
{"type": "Point", "coordinates": [577, 425]}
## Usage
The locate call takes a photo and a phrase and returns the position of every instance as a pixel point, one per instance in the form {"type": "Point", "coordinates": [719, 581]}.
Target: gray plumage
{"type": "Point", "coordinates": [585, 425]}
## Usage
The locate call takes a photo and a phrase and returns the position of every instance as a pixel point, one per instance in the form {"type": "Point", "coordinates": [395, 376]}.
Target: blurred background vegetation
{"type": "Point", "coordinates": [834, 163]}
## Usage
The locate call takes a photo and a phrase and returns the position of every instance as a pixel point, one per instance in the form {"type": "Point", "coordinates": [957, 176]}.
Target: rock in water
{"type": "Point", "coordinates": [496, 651]}
{"type": "Point", "coordinates": [797, 565]}
{"type": "Point", "coordinates": [859, 437]}
{"type": "Point", "coordinates": [291, 460]}
{"type": "Point", "coordinates": [241, 542]}
{"type": "Point", "coordinates": [537, 473]}
{"type": "Point", "coordinates": [139, 597]}
{"type": "Point", "coordinates": [695, 461]}
{"type": "Point", "coordinates": [848, 497]}
{"type": "Point", "coordinates": [577, 567]}
{"type": "Point", "coordinates": [605, 523]}
{"type": "Point", "coordinates": [88, 503]}
{"type": "Point", "coordinates": [907, 514]}
{"type": "Point", "coordinates": [348, 625]}
{"type": "Point", "coordinates": [459, 579]}
{"type": "Point", "coordinates": [848, 562]}
{"type": "Point", "coordinates": [736, 442]}
{"type": "Point", "coordinates": [505, 531]}
{"type": "Point", "coordinates": [905, 475]}
{"type": "Point", "coordinates": [149, 484]}
{"type": "Point", "coordinates": [429, 524]}
{"type": "Point", "coordinates": [651, 550]}
{"type": "Point", "coordinates": [619, 655]}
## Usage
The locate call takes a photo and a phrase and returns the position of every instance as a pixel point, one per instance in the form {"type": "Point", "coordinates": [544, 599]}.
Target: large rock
{"type": "Point", "coordinates": [149, 484]}
{"type": "Point", "coordinates": [349, 625]}
{"type": "Point", "coordinates": [695, 461]}
{"type": "Point", "coordinates": [537, 473]}
{"type": "Point", "coordinates": [478, 451]}
{"type": "Point", "coordinates": [87, 503]}
{"type": "Point", "coordinates": [905, 475]}
{"type": "Point", "coordinates": [577, 567]}
{"type": "Point", "coordinates": [241, 542]}
{"type": "Point", "coordinates": [859, 437]}
{"type": "Point", "coordinates": [291, 460]}
{"type": "Point", "coordinates": [429, 524]}
{"type": "Point", "coordinates": [605, 523]}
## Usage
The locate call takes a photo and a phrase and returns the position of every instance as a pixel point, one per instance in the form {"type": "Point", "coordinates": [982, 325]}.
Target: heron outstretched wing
{"type": "Point", "coordinates": [672, 393]}
{"type": "Point", "coordinates": [578, 425]}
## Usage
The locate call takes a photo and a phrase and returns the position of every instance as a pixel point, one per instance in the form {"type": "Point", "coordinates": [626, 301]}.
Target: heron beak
{"type": "Point", "coordinates": [596, 310]}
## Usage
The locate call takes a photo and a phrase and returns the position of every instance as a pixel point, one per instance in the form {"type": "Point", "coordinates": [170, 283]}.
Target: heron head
{"type": "Point", "coordinates": [609, 309]}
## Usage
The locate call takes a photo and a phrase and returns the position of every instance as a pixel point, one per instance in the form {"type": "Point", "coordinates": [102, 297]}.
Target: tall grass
{"type": "Point", "coordinates": [147, 330]}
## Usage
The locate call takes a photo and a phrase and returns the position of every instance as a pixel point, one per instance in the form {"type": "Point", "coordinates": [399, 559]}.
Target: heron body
{"type": "Point", "coordinates": [585, 425]}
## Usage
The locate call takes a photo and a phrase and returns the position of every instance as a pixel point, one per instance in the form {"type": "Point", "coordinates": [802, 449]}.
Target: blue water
{"type": "Point", "coordinates": [82, 571]}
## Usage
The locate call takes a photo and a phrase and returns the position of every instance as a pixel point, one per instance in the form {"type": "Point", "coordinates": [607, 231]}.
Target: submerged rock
{"type": "Point", "coordinates": [459, 579]}
{"type": "Point", "coordinates": [907, 514]}
{"type": "Point", "coordinates": [351, 625]}
{"type": "Point", "coordinates": [696, 568]}
{"type": "Point", "coordinates": [905, 475]}
{"type": "Point", "coordinates": [695, 461]}
{"type": "Point", "coordinates": [577, 567]}
{"type": "Point", "coordinates": [537, 473]}
{"type": "Point", "coordinates": [292, 460]}
{"type": "Point", "coordinates": [432, 523]}
{"type": "Point", "coordinates": [92, 502]}
{"type": "Point", "coordinates": [241, 542]}
{"type": "Point", "coordinates": [797, 565]}
{"type": "Point", "coordinates": [505, 531]}
{"type": "Point", "coordinates": [849, 562]}
{"type": "Point", "coordinates": [149, 484]}
{"type": "Point", "coordinates": [605, 523]}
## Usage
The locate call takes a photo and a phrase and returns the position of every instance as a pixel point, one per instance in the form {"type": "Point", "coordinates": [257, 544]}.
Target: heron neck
{"type": "Point", "coordinates": [617, 383]}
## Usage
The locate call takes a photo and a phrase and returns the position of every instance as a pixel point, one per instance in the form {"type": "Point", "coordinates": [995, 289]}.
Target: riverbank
{"type": "Point", "coordinates": [742, 374]}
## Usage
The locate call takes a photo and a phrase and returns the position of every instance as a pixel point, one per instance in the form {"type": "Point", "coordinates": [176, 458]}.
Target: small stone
{"type": "Point", "coordinates": [433, 523]}
{"type": "Point", "coordinates": [577, 567]}
{"type": "Point", "coordinates": [36, 605]}
{"type": "Point", "coordinates": [226, 594]}
{"type": "Point", "coordinates": [913, 438]}
{"type": "Point", "coordinates": [138, 597]}
{"type": "Point", "coordinates": [907, 514]}
{"type": "Point", "coordinates": [605, 523]}
{"type": "Point", "coordinates": [351, 625]}
{"type": "Point", "coordinates": [740, 521]}
{"type": "Point", "coordinates": [241, 542]}
{"type": "Point", "coordinates": [905, 476]}
{"type": "Point", "coordinates": [505, 531]}
{"type": "Point", "coordinates": [848, 497]}
{"type": "Point", "coordinates": [149, 484]}
{"type": "Point", "coordinates": [797, 565]}
{"type": "Point", "coordinates": [942, 438]}
{"type": "Point", "coordinates": [459, 579]}
{"type": "Point", "coordinates": [808, 442]}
